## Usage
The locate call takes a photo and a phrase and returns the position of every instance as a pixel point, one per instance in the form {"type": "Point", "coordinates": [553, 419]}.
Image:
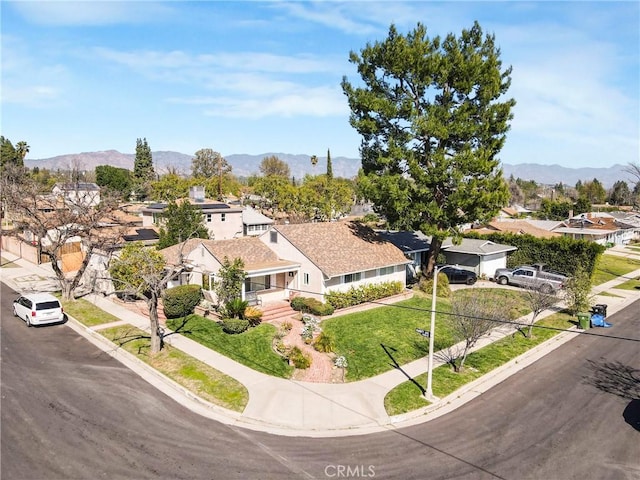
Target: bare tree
{"type": "Point", "coordinates": [473, 316]}
{"type": "Point", "coordinates": [143, 273]}
{"type": "Point", "coordinates": [53, 222]}
{"type": "Point", "coordinates": [633, 168]}
{"type": "Point", "coordinates": [539, 301]}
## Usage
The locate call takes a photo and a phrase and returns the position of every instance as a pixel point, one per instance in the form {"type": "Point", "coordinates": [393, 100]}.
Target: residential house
{"type": "Point", "coordinates": [223, 221]}
{"type": "Point", "coordinates": [335, 256]}
{"type": "Point", "coordinates": [78, 193]}
{"type": "Point", "coordinates": [481, 256]}
{"type": "Point", "coordinates": [268, 276]}
{"type": "Point", "coordinates": [254, 223]}
{"type": "Point", "coordinates": [536, 228]}
{"type": "Point", "coordinates": [599, 227]}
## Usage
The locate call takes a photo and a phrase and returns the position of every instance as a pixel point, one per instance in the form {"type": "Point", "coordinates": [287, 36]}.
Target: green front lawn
{"type": "Point", "coordinates": [407, 396]}
{"type": "Point", "coordinates": [252, 348]}
{"type": "Point", "coordinates": [87, 313]}
{"type": "Point", "coordinates": [198, 377]}
{"type": "Point", "coordinates": [610, 267]}
{"type": "Point", "coordinates": [378, 340]}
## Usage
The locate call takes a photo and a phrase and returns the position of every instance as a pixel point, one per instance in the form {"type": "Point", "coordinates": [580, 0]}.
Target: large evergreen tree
{"type": "Point", "coordinates": [143, 171]}
{"type": "Point", "coordinates": [116, 179]}
{"type": "Point", "coordinates": [433, 118]}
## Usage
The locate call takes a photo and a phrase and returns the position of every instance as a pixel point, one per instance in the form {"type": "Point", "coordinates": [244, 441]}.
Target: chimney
{"type": "Point", "coordinates": [196, 193]}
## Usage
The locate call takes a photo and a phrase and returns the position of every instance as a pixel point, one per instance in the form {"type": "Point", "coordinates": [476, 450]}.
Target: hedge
{"type": "Point", "coordinates": [312, 306]}
{"type": "Point", "coordinates": [561, 254]}
{"type": "Point", "coordinates": [181, 301]}
{"type": "Point", "coordinates": [363, 294]}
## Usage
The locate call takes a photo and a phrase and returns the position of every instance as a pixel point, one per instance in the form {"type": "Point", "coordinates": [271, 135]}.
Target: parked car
{"type": "Point", "coordinates": [460, 275]}
{"type": "Point", "coordinates": [530, 277]}
{"type": "Point", "coordinates": [38, 309]}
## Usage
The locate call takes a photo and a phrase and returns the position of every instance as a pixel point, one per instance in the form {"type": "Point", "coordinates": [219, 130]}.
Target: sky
{"type": "Point", "coordinates": [252, 77]}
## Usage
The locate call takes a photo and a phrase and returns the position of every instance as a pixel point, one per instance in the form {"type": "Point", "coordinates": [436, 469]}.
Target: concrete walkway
{"type": "Point", "coordinates": [290, 407]}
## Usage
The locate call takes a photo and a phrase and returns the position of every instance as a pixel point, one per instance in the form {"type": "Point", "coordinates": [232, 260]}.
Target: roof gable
{"type": "Point", "coordinates": [338, 248]}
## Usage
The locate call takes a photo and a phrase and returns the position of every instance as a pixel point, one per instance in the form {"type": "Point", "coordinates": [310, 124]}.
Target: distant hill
{"type": "Point", "coordinates": [244, 165]}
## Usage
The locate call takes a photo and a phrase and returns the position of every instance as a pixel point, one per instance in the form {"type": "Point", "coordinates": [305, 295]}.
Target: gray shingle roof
{"type": "Point", "coordinates": [251, 250]}
{"type": "Point", "coordinates": [338, 248]}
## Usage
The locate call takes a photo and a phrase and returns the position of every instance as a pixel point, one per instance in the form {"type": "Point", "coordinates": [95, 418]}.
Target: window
{"type": "Point", "coordinates": [305, 279]}
{"type": "Point", "coordinates": [273, 237]}
{"type": "Point", "coordinates": [255, 284]}
{"type": "Point", "coordinates": [352, 277]}
{"type": "Point", "coordinates": [386, 271]}
{"type": "Point", "coordinates": [209, 217]}
{"type": "Point", "coordinates": [223, 217]}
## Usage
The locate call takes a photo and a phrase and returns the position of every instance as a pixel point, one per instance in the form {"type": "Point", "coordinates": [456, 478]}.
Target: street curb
{"type": "Point", "coordinates": [474, 389]}
{"type": "Point", "coordinates": [166, 385]}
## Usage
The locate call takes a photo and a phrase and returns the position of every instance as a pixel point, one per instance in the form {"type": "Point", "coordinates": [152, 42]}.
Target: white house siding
{"type": "Point", "coordinates": [370, 277]}
{"type": "Point", "coordinates": [483, 265]}
{"type": "Point", "coordinates": [231, 227]}
{"type": "Point", "coordinates": [284, 249]}
{"type": "Point", "coordinates": [490, 263]}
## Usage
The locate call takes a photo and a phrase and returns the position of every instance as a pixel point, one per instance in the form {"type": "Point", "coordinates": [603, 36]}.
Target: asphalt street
{"type": "Point", "coordinates": [70, 411]}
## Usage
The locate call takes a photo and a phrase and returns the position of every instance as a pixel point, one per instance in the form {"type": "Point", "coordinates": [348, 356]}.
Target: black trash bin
{"type": "Point", "coordinates": [599, 309]}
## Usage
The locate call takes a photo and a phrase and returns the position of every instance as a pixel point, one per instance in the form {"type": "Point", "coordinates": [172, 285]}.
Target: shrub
{"type": "Point", "coordinates": [234, 325]}
{"type": "Point", "coordinates": [324, 343]}
{"type": "Point", "coordinates": [443, 290]}
{"type": "Point", "coordinates": [311, 305]}
{"type": "Point", "coordinates": [253, 315]}
{"type": "Point", "coordinates": [235, 308]}
{"type": "Point", "coordinates": [299, 359]}
{"type": "Point", "coordinates": [362, 294]}
{"type": "Point", "coordinates": [181, 301]}
{"type": "Point", "coordinates": [298, 303]}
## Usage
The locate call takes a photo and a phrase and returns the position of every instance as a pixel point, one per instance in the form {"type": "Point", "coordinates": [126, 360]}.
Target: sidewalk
{"type": "Point", "coordinates": [294, 408]}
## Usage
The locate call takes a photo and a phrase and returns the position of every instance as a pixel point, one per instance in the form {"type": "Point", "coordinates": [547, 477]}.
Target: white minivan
{"type": "Point", "coordinates": [38, 309]}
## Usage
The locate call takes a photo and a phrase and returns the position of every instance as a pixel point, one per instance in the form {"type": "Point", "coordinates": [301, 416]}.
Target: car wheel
{"type": "Point", "coordinates": [502, 280]}
{"type": "Point", "coordinates": [27, 321]}
{"type": "Point", "coordinates": [15, 314]}
{"type": "Point", "coordinates": [471, 281]}
{"type": "Point", "coordinates": [546, 288]}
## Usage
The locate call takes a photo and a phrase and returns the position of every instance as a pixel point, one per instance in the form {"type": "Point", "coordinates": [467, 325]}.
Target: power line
{"type": "Point", "coordinates": [503, 322]}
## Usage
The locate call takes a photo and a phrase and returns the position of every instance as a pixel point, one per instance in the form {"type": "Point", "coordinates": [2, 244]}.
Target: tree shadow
{"type": "Point", "coordinates": [620, 380]}
{"type": "Point", "coordinates": [614, 378]}
{"type": "Point", "coordinates": [394, 363]}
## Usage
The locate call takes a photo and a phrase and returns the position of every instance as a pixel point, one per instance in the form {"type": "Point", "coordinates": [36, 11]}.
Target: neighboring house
{"type": "Point", "coordinates": [513, 211]}
{"type": "Point", "coordinates": [481, 256]}
{"type": "Point", "coordinates": [223, 221]}
{"type": "Point", "coordinates": [254, 223]}
{"type": "Point", "coordinates": [599, 227]}
{"type": "Point", "coordinates": [335, 256]}
{"type": "Point", "coordinates": [78, 193]}
{"type": "Point", "coordinates": [520, 227]}
{"type": "Point", "coordinates": [267, 275]}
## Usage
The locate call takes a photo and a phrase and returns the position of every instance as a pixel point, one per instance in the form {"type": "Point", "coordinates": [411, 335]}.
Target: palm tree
{"type": "Point", "coordinates": [22, 148]}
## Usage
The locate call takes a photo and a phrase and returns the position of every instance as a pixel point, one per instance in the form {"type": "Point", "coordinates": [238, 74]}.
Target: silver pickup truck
{"type": "Point", "coordinates": [530, 277]}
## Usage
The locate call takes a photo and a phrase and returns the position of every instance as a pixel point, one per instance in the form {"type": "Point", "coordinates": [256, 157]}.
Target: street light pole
{"type": "Point", "coordinates": [429, 393]}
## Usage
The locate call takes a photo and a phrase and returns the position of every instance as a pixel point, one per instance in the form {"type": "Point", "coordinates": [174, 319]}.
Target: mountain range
{"type": "Point", "coordinates": [244, 165]}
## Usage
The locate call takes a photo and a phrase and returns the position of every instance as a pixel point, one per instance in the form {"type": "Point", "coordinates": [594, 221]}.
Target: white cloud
{"type": "Point", "coordinates": [27, 80]}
